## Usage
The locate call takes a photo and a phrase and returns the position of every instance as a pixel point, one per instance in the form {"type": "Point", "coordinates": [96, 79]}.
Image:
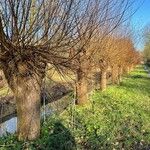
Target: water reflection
{"type": "Point", "coordinates": [9, 126]}
{"type": "Point", "coordinates": [57, 107]}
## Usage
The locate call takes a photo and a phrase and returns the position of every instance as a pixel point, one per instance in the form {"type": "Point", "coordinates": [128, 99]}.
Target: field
{"type": "Point", "coordinates": [117, 119]}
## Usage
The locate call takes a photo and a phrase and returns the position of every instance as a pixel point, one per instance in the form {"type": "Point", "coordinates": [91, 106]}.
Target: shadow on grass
{"type": "Point", "coordinates": [60, 139]}
{"type": "Point", "coordinates": [142, 71]}
{"type": "Point", "coordinates": [139, 76]}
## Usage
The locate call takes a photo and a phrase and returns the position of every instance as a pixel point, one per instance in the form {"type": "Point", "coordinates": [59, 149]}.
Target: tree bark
{"type": "Point", "coordinates": [131, 67]}
{"type": "Point", "coordinates": [115, 75]}
{"type": "Point", "coordinates": [26, 87]}
{"type": "Point", "coordinates": [127, 70]}
{"type": "Point", "coordinates": [27, 96]}
{"type": "Point", "coordinates": [103, 81]}
{"type": "Point", "coordinates": [81, 88]}
{"type": "Point", "coordinates": [120, 74]}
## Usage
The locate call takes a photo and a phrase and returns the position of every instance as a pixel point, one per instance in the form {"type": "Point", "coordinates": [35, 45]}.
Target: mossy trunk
{"type": "Point", "coordinates": [27, 96]}
{"type": "Point", "coordinates": [81, 88]}
{"type": "Point", "coordinates": [103, 81]}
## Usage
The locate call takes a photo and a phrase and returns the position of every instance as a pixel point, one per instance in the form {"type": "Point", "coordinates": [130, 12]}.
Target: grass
{"type": "Point", "coordinates": [66, 77]}
{"type": "Point", "coordinates": [117, 119]}
{"type": "Point", "coordinates": [5, 91]}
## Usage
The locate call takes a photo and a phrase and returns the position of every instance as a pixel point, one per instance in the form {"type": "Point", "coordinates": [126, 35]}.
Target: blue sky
{"type": "Point", "coordinates": [140, 19]}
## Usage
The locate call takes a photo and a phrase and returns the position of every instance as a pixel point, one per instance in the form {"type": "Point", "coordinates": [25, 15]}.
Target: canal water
{"type": "Point", "coordinates": [10, 126]}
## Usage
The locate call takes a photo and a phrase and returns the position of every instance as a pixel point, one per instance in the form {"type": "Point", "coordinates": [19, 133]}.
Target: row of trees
{"type": "Point", "coordinates": [73, 34]}
{"type": "Point", "coordinates": [115, 54]}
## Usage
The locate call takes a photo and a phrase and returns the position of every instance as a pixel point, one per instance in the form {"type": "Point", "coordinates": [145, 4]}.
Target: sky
{"type": "Point", "coordinates": [139, 20]}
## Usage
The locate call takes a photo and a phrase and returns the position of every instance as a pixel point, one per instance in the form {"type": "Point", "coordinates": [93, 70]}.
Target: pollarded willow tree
{"type": "Point", "coordinates": [34, 34]}
{"type": "Point", "coordinates": [85, 32]}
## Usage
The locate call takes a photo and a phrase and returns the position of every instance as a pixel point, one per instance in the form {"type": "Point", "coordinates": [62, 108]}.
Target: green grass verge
{"type": "Point", "coordinates": [116, 119]}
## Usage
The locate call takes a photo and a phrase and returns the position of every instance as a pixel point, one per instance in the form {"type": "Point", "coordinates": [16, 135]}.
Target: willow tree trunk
{"type": "Point", "coordinates": [103, 80]}
{"type": "Point", "coordinates": [27, 95]}
{"type": "Point", "coordinates": [131, 67]}
{"type": "Point", "coordinates": [127, 70]}
{"type": "Point", "coordinates": [115, 75]}
{"type": "Point", "coordinates": [120, 72]}
{"type": "Point", "coordinates": [26, 89]}
{"type": "Point", "coordinates": [81, 88]}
